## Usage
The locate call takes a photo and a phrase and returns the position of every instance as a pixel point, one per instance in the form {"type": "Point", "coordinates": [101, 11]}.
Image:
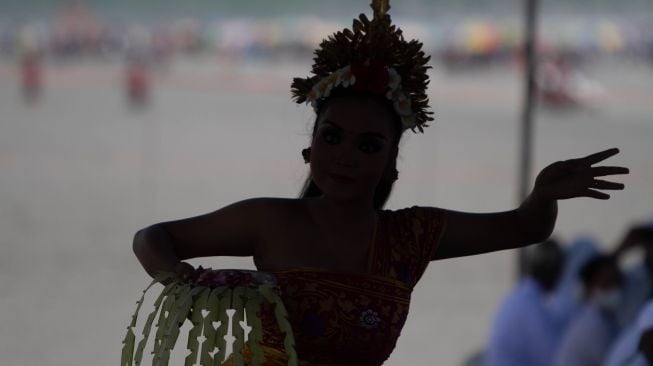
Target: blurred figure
{"type": "Point", "coordinates": [31, 75]}
{"type": "Point", "coordinates": [525, 331]}
{"type": "Point", "coordinates": [561, 84]}
{"type": "Point", "coordinates": [635, 346]}
{"type": "Point", "coordinates": [638, 279]}
{"type": "Point", "coordinates": [137, 82]}
{"type": "Point", "coordinates": [567, 300]}
{"type": "Point", "coordinates": [31, 68]}
{"type": "Point", "coordinates": [587, 340]}
{"type": "Point", "coordinates": [138, 57]}
{"type": "Point", "coordinates": [553, 81]}
{"type": "Point", "coordinates": [646, 344]}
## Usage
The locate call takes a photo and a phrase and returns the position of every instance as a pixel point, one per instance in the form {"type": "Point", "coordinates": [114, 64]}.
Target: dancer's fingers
{"type": "Point", "coordinates": [595, 194]}
{"type": "Point", "coordinates": [604, 184]}
{"type": "Point", "coordinates": [609, 170]}
{"type": "Point", "coordinates": [600, 156]}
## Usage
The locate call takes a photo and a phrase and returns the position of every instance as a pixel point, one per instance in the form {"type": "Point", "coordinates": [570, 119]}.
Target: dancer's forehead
{"type": "Point", "coordinates": [358, 116]}
{"type": "Point", "coordinates": [354, 132]}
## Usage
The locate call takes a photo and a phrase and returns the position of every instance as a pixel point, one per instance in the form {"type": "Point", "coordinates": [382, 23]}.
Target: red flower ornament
{"type": "Point", "coordinates": [370, 76]}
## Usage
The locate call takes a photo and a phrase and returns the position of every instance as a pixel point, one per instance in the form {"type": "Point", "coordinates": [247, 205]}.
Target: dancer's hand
{"type": "Point", "coordinates": [577, 178]}
{"type": "Point", "coordinates": [184, 270]}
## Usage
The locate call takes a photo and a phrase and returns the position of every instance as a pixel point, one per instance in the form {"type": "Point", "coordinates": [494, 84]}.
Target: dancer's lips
{"type": "Point", "coordinates": [341, 178]}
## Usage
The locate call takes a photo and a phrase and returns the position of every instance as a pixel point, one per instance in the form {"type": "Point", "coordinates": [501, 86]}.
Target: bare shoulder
{"type": "Point", "coordinates": [238, 229]}
{"type": "Point", "coordinates": [271, 207]}
{"type": "Point", "coordinates": [264, 207]}
{"type": "Point", "coordinates": [285, 231]}
{"type": "Point", "coordinates": [266, 214]}
{"type": "Point", "coordinates": [273, 214]}
{"type": "Point", "coordinates": [263, 203]}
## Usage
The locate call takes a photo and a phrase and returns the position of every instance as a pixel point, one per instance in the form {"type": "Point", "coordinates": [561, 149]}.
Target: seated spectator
{"type": "Point", "coordinates": [634, 347]}
{"type": "Point", "coordinates": [638, 279]}
{"type": "Point", "coordinates": [524, 331]}
{"type": "Point", "coordinates": [567, 299]}
{"type": "Point", "coordinates": [589, 336]}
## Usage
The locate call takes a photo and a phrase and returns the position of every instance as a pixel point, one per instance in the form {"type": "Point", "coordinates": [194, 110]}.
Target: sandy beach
{"type": "Point", "coordinates": [81, 171]}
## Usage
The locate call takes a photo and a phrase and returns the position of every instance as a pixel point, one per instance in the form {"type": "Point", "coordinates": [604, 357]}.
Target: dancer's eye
{"type": "Point", "coordinates": [331, 136]}
{"type": "Point", "coordinates": [370, 146]}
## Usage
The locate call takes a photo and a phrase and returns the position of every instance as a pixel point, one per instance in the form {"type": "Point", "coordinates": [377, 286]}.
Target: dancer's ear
{"type": "Point", "coordinates": [306, 154]}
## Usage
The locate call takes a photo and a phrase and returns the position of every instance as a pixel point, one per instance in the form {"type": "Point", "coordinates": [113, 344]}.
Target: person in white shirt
{"type": "Point", "coordinates": [524, 331]}
{"type": "Point", "coordinates": [638, 279]}
{"type": "Point", "coordinates": [567, 299]}
{"type": "Point", "coordinates": [635, 346]}
{"type": "Point", "coordinates": [590, 335]}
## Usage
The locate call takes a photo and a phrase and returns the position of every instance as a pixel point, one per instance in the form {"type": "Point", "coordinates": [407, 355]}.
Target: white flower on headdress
{"type": "Point", "coordinates": [408, 122]}
{"type": "Point", "coordinates": [334, 79]}
{"type": "Point", "coordinates": [394, 80]}
{"type": "Point", "coordinates": [319, 90]}
{"type": "Point", "coordinates": [322, 87]}
{"type": "Point", "coordinates": [327, 90]}
{"type": "Point", "coordinates": [331, 82]}
{"type": "Point", "coordinates": [396, 94]}
{"type": "Point", "coordinates": [311, 96]}
{"type": "Point", "coordinates": [346, 77]}
{"type": "Point", "coordinates": [402, 104]}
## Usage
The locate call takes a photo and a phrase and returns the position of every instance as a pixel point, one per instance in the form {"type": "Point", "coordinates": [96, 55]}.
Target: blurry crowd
{"type": "Point", "coordinates": [75, 30]}
{"type": "Point", "coordinates": [578, 305]}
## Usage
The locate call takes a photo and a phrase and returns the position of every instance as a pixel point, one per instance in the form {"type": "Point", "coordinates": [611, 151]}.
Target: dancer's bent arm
{"type": "Point", "coordinates": [230, 231]}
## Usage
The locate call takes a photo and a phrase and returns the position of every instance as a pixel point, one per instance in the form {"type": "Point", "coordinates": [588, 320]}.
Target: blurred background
{"type": "Point", "coordinates": [115, 115]}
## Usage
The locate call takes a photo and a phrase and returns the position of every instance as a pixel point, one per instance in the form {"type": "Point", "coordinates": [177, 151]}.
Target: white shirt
{"type": "Point", "coordinates": [588, 338]}
{"type": "Point", "coordinates": [523, 332]}
{"type": "Point", "coordinates": [624, 351]}
{"type": "Point", "coordinates": [566, 301]}
{"type": "Point", "coordinates": [637, 290]}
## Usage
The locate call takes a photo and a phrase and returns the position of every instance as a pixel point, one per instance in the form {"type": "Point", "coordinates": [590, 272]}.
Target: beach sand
{"type": "Point", "coordinates": [80, 172]}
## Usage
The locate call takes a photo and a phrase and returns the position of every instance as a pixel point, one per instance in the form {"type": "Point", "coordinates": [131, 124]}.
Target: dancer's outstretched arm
{"type": "Point", "coordinates": [470, 233]}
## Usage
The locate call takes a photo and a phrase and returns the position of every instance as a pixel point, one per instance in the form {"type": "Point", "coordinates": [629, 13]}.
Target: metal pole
{"type": "Point", "coordinates": [530, 63]}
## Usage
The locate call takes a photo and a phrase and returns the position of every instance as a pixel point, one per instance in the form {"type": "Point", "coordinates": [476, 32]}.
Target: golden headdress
{"type": "Point", "coordinates": [372, 57]}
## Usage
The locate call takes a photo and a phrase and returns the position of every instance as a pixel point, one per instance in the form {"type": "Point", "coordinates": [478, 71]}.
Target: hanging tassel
{"type": "Point", "coordinates": [203, 300]}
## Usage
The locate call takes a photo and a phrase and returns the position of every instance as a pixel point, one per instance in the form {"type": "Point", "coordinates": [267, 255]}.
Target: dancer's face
{"type": "Point", "coordinates": [351, 148]}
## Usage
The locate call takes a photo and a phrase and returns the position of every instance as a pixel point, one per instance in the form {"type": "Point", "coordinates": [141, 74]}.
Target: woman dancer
{"type": "Point", "coordinates": [345, 266]}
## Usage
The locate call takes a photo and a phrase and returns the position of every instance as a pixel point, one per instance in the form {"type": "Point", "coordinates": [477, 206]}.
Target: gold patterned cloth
{"type": "Point", "coordinates": [356, 319]}
{"type": "Point", "coordinates": [299, 316]}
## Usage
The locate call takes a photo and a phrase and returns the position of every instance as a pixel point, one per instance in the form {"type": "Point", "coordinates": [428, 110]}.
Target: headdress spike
{"type": "Point", "coordinates": [380, 8]}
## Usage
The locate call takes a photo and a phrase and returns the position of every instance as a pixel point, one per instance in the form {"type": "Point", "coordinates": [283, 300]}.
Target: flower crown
{"type": "Point", "coordinates": [374, 58]}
